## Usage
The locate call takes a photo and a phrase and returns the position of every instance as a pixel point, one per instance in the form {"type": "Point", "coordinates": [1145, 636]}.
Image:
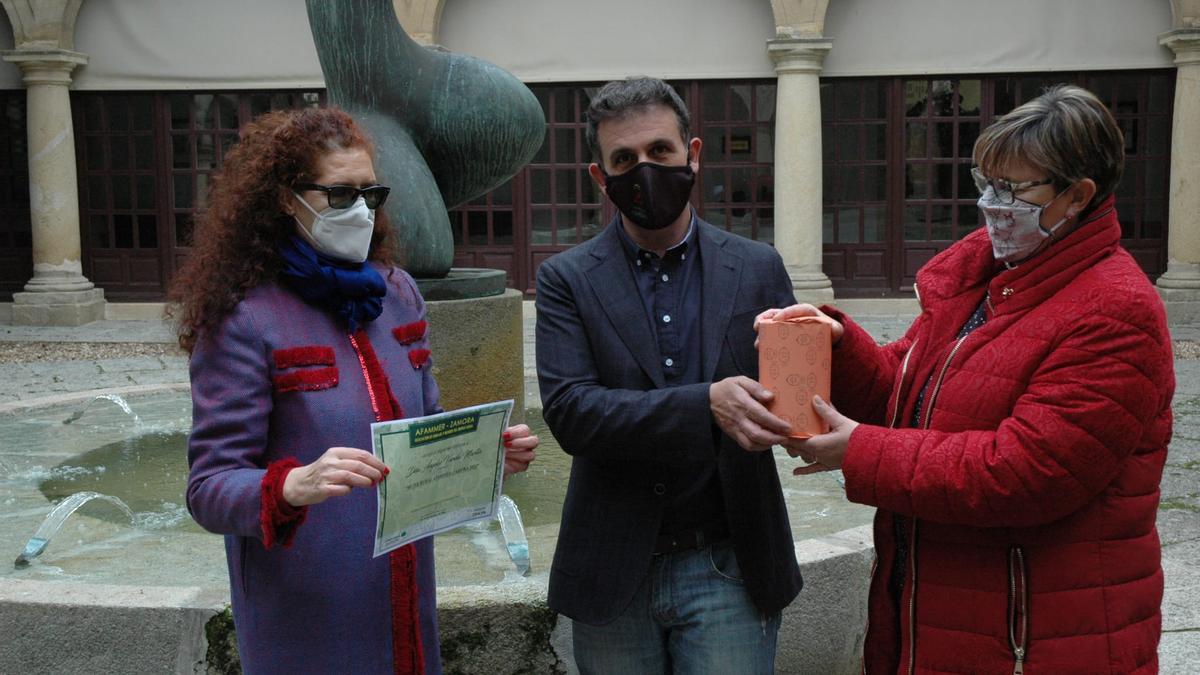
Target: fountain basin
{"type": "Point", "coordinates": [108, 597]}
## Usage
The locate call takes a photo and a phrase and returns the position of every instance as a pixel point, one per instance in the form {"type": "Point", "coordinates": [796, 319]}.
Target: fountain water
{"type": "Point", "coordinates": [115, 398]}
{"type": "Point", "coordinates": [54, 521]}
{"type": "Point", "coordinates": [514, 533]}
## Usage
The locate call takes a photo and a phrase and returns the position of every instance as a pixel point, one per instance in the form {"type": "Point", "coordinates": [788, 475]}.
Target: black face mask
{"type": "Point", "coordinates": [651, 195]}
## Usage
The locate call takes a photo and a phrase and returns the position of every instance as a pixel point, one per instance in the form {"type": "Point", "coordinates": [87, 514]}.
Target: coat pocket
{"type": "Point", "coordinates": [1018, 608]}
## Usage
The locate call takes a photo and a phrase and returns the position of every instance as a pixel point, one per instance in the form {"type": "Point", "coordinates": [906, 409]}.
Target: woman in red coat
{"type": "Point", "coordinates": [1014, 438]}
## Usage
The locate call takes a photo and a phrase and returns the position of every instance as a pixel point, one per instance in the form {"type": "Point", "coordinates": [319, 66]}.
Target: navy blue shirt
{"type": "Point", "coordinates": [671, 288]}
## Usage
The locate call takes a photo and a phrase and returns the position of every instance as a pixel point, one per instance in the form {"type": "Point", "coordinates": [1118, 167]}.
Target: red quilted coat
{"type": "Point", "coordinates": [1026, 496]}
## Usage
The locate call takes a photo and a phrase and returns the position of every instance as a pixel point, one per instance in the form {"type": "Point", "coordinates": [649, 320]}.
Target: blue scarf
{"type": "Point", "coordinates": [353, 291]}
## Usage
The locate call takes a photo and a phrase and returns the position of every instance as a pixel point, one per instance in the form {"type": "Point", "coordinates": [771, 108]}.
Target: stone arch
{"type": "Point", "coordinates": [799, 18]}
{"type": "Point", "coordinates": [43, 24]}
{"type": "Point", "coordinates": [421, 19]}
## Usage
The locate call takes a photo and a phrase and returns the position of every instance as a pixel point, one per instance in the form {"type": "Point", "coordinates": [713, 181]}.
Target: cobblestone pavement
{"type": "Point", "coordinates": [36, 363]}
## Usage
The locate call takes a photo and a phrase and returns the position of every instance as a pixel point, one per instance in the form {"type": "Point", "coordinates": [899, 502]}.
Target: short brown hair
{"type": "Point", "coordinates": [1066, 132]}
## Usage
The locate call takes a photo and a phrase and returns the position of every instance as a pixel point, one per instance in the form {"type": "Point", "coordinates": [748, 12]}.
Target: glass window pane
{"type": "Point", "coordinates": [916, 181]}
{"type": "Point", "coordinates": [593, 223]}
{"type": "Point", "coordinates": [143, 149]}
{"type": "Point", "coordinates": [98, 226]}
{"type": "Point", "coordinates": [564, 186]}
{"type": "Point", "coordinates": [147, 231]}
{"type": "Point", "coordinates": [968, 219]}
{"type": "Point", "coordinates": [742, 179]}
{"type": "Point", "coordinates": [942, 98]}
{"type": "Point", "coordinates": [943, 188]}
{"type": "Point", "coordinates": [766, 225]}
{"type": "Point", "coordinates": [202, 111]}
{"type": "Point", "coordinates": [183, 191]}
{"type": "Point", "coordinates": [874, 224]}
{"type": "Point", "coordinates": [1005, 95]}
{"type": "Point", "coordinates": [206, 152]}
{"type": "Point", "coordinates": [97, 193]}
{"type": "Point", "coordinates": [94, 147]}
{"type": "Point", "coordinates": [145, 192]}
{"type": "Point", "coordinates": [539, 186]}
{"type": "Point", "coordinates": [122, 192]}
{"type": "Point", "coordinates": [564, 146]}
{"type": "Point", "coordinates": [181, 152]}
{"type": "Point", "coordinates": [456, 226]}
{"type": "Point", "coordinates": [712, 101]}
{"type": "Point", "coordinates": [714, 185]}
{"type": "Point", "coordinates": [741, 142]}
{"type": "Point", "coordinates": [874, 183]}
{"type": "Point", "coordinates": [1156, 178]}
{"type": "Point", "coordinates": [564, 105]}
{"type": "Point", "coordinates": [914, 138]}
{"type": "Point", "coordinates": [1153, 218]}
{"type": "Point", "coordinates": [565, 224]}
{"type": "Point", "coordinates": [828, 147]}
{"type": "Point", "coordinates": [847, 142]}
{"type": "Point", "coordinates": [847, 230]}
{"type": "Point", "coordinates": [846, 100]}
{"type": "Point", "coordinates": [739, 102]}
{"type": "Point", "coordinates": [914, 223]}
{"type": "Point", "coordinates": [943, 139]}
{"type": "Point", "coordinates": [227, 141]}
{"type": "Point", "coordinates": [228, 111]}
{"type": "Point", "coordinates": [827, 226]}
{"type": "Point", "coordinates": [1159, 96]}
{"type": "Point", "coordinates": [765, 105]}
{"type": "Point", "coordinates": [968, 133]}
{"type": "Point", "coordinates": [502, 195]}
{"type": "Point", "coordinates": [1129, 127]}
{"type": "Point", "coordinates": [939, 223]}
{"type": "Point", "coordinates": [120, 153]}
{"type": "Point", "coordinates": [543, 229]}
{"type": "Point", "coordinates": [875, 146]}
{"type": "Point", "coordinates": [969, 97]}
{"type": "Point", "coordinates": [180, 106]}
{"type": "Point", "coordinates": [141, 113]}
{"type": "Point", "coordinates": [502, 227]}
{"type": "Point", "coordinates": [828, 182]}
{"type": "Point", "coordinates": [477, 233]}
{"type": "Point", "coordinates": [966, 183]}
{"type": "Point", "coordinates": [183, 229]}
{"type": "Point", "coordinates": [118, 113]}
{"type": "Point", "coordinates": [848, 184]}
{"type": "Point", "coordinates": [259, 104]}
{"type": "Point", "coordinates": [123, 230]}
{"type": "Point", "coordinates": [715, 147]}
{"type": "Point", "coordinates": [765, 152]}
{"type": "Point", "coordinates": [874, 96]}
{"type": "Point", "coordinates": [589, 191]}
{"type": "Point", "coordinates": [93, 113]}
{"type": "Point", "coordinates": [1158, 135]}
{"type": "Point", "coordinates": [201, 190]}
{"type": "Point", "coordinates": [916, 93]}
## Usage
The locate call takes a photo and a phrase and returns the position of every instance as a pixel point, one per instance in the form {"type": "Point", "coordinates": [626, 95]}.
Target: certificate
{"type": "Point", "coordinates": [445, 472]}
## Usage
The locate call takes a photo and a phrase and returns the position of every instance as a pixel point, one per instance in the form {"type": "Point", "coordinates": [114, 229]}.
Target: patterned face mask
{"type": "Point", "coordinates": [1015, 229]}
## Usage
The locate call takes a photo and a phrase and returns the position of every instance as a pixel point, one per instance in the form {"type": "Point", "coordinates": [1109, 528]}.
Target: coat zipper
{"type": "Point", "coordinates": [1018, 620]}
{"type": "Point", "coordinates": [912, 600]}
{"type": "Point", "coordinates": [900, 383]}
{"type": "Point", "coordinates": [366, 377]}
{"type": "Point", "coordinates": [938, 385]}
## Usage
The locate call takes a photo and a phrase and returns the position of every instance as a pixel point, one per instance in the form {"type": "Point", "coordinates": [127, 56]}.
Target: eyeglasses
{"type": "Point", "coordinates": [1005, 191]}
{"type": "Point", "coordinates": [344, 196]}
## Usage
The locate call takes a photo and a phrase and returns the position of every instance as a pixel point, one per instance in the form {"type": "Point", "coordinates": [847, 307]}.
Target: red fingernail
{"type": "Point", "coordinates": [507, 444]}
{"type": "Point", "coordinates": [507, 436]}
{"type": "Point", "coordinates": [386, 471]}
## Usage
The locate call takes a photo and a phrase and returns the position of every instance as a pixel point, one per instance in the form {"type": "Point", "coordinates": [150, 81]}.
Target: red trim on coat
{"type": "Point", "coordinates": [410, 332]}
{"type": "Point", "coordinates": [408, 655]}
{"type": "Point", "coordinates": [306, 380]}
{"type": "Point", "coordinates": [279, 519]}
{"type": "Point", "coordinates": [418, 357]}
{"type": "Point", "coordinates": [311, 355]}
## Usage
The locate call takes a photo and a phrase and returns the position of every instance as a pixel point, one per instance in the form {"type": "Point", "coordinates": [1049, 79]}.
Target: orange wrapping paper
{"type": "Point", "coordinates": [793, 362]}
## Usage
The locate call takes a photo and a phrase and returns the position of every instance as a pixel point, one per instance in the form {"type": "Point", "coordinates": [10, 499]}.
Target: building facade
{"type": "Point", "coordinates": [840, 131]}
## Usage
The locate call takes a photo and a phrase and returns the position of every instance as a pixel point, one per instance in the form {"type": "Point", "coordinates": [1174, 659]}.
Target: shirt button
{"type": "Point", "coordinates": [660, 489]}
{"type": "Point", "coordinates": [683, 256]}
{"type": "Point", "coordinates": [639, 263]}
{"type": "Point", "coordinates": [666, 278]}
{"type": "Point", "coordinates": [669, 362]}
{"type": "Point", "coordinates": [666, 318]}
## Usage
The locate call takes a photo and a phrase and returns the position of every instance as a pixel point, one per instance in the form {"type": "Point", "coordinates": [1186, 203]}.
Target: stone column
{"type": "Point", "coordinates": [58, 294]}
{"type": "Point", "coordinates": [798, 169]}
{"type": "Point", "coordinates": [1181, 282]}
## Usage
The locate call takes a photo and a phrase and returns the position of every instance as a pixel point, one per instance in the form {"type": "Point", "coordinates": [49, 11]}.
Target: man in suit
{"type": "Point", "coordinates": [675, 553]}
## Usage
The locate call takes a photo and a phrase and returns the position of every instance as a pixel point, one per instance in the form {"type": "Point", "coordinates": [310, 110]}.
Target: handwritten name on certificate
{"type": "Point", "coordinates": [445, 472]}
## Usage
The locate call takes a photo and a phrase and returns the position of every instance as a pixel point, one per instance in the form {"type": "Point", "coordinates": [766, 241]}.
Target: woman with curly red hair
{"type": "Point", "coordinates": [302, 333]}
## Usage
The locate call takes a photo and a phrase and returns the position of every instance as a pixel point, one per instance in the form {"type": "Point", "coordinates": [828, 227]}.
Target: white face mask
{"type": "Point", "coordinates": [344, 234]}
{"type": "Point", "coordinates": [1015, 229]}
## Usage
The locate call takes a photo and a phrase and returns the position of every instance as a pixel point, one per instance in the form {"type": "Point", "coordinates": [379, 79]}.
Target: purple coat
{"type": "Point", "coordinates": [323, 604]}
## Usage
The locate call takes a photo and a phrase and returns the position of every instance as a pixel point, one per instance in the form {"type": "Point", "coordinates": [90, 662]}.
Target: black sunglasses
{"type": "Point", "coordinates": [344, 196]}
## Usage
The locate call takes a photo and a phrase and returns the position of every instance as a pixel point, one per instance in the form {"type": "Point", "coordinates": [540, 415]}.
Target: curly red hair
{"type": "Point", "coordinates": [236, 241]}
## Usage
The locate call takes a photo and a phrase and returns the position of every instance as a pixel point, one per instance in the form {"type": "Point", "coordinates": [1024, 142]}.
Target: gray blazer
{"type": "Point", "coordinates": [606, 402]}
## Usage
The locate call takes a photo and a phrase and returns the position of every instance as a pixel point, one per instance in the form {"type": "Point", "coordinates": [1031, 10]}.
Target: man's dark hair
{"type": "Point", "coordinates": [633, 94]}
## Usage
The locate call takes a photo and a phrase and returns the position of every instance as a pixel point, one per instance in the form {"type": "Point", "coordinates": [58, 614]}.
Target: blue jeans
{"type": "Point", "coordinates": [690, 615]}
